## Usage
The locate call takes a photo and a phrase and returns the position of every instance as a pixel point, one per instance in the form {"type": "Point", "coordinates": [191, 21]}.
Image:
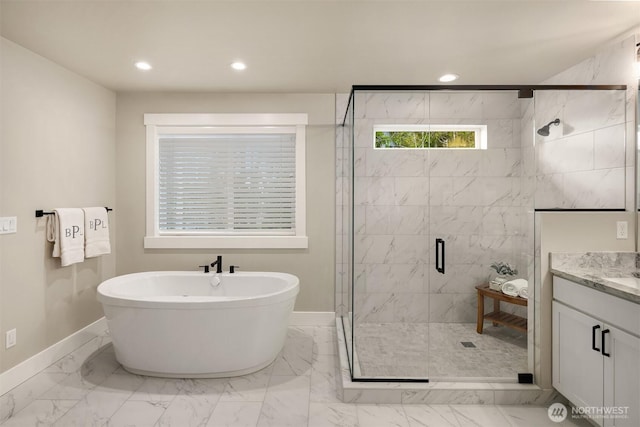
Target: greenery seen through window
{"type": "Point", "coordinates": [425, 139]}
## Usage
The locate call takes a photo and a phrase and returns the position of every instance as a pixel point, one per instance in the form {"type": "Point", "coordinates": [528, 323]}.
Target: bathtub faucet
{"type": "Point", "coordinates": [217, 264]}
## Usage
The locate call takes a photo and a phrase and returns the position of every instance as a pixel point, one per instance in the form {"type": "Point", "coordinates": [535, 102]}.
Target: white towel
{"type": "Point", "coordinates": [524, 293]}
{"type": "Point", "coordinates": [96, 236]}
{"type": "Point", "coordinates": [512, 287]}
{"type": "Point", "coordinates": [66, 230]}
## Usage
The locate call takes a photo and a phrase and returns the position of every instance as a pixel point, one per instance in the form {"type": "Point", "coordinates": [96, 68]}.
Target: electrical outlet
{"type": "Point", "coordinates": [11, 337]}
{"type": "Point", "coordinates": [622, 230]}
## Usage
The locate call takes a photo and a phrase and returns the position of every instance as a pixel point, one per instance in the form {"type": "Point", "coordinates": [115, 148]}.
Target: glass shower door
{"type": "Point", "coordinates": [390, 249]}
{"type": "Point", "coordinates": [476, 219]}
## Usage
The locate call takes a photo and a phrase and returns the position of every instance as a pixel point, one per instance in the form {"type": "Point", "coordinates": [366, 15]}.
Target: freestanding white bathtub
{"type": "Point", "coordinates": [198, 325]}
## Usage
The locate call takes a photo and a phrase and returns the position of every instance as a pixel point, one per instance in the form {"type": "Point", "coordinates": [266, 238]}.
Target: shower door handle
{"type": "Point", "coordinates": [440, 255]}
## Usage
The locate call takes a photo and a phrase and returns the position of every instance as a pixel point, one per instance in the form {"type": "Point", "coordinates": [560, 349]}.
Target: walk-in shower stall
{"type": "Point", "coordinates": [436, 184]}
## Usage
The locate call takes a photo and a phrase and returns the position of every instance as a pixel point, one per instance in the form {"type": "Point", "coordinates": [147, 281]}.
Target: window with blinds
{"type": "Point", "coordinates": [226, 181]}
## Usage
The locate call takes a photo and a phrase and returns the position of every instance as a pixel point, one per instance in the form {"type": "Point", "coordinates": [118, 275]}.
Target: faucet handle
{"type": "Point", "coordinates": [232, 268]}
{"type": "Point", "coordinates": [206, 268]}
{"type": "Point", "coordinates": [217, 264]}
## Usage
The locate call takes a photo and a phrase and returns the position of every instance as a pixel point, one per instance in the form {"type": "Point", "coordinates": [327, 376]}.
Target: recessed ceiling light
{"type": "Point", "coordinates": [448, 78]}
{"type": "Point", "coordinates": [238, 66]}
{"type": "Point", "coordinates": [142, 65]}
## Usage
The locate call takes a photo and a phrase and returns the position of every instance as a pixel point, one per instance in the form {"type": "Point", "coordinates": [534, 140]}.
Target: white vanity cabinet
{"type": "Point", "coordinates": [596, 352]}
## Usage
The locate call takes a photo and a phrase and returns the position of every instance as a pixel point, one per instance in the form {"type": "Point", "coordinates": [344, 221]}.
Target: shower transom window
{"type": "Point", "coordinates": [432, 136]}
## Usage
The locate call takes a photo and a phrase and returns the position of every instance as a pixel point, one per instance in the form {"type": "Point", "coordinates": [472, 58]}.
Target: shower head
{"type": "Point", "coordinates": [544, 130]}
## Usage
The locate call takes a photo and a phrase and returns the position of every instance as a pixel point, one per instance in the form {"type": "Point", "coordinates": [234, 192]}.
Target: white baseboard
{"type": "Point", "coordinates": [25, 370]}
{"type": "Point", "coordinates": [312, 318]}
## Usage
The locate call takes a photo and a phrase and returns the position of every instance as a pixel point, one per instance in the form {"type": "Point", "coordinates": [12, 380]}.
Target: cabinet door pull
{"type": "Point", "coordinates": [604, 353]}
{"type": "Point", "coordinates": [593, 338]}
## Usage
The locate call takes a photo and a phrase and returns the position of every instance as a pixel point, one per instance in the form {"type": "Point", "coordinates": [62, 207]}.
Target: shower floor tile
{"type": "Point", "coordinates": [436, 350]}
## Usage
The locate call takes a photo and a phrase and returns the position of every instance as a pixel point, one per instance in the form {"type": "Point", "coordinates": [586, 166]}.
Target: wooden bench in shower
{"type": "Point", "coordinates": [496, 316]}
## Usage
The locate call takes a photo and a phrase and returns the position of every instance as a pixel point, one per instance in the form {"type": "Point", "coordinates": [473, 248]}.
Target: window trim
{"type": "Point", "coordinates": [160, 124]}
{"type": "Point", "coordinates": [479, 129]}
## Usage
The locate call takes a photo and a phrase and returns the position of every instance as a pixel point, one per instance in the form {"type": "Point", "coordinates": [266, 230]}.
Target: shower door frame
{"type": "Point", "coordinates": [524, 91]}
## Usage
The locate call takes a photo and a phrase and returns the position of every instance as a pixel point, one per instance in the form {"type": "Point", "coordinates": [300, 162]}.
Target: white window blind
{"type": "Point", "coordinates": [232, 181]}
{"type": "Point", "coordinates": [227, 183]}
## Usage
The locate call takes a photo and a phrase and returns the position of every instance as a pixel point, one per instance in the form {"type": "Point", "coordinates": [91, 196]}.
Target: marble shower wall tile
{"type": "Point", "coordinates": [600, 114]}
{"type": "Point", "coordinates": [501, 162]}
{"type": "Point", "coordinates": [500, 105]}
{"type": "Point", "coordinates": [608, 151]}
{"type": "Point", "coordinates": [411, 191]}
{"type": "Point", "coordinates": [587, 111]}
{"type": "Point", "coordinates": [447, 163]}
{"type": "Point", "coordinates": [602, 188]}
{"type": "Point", "coordinates": [394, 162]}
{"type": "Point", "coordinates": [396, 278]}
{"type": "Point", "coordinates": [395, 220]}
{"type": "Point", "coordinates": [404, 199]}
{"type": "Point", "coordinates": [569, 154]}
{"type": "Point", "coordinates": [389, 249]}
{"type": "Point", "coordinates": [446, 105]}
{"type": "Point", "coordinates": [390, 105]}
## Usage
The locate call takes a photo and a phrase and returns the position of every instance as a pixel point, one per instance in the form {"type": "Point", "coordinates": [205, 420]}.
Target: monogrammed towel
{"type": "Point", "coordinates": [96, 232]}
{"type": "Point", "coordinates": [66, 230]}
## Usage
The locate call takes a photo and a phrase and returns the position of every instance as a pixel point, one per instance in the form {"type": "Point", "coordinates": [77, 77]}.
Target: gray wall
{"type": "Point", "coordinates": [314, 266]}
{"type": "Point", "coordinates": [58, 150]}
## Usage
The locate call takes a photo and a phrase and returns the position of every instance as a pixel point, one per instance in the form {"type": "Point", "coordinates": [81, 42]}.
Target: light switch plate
{"type": "Point", "coordinates": [8, 224]}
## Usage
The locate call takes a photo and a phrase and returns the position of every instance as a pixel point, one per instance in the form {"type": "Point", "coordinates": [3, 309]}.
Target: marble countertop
{"type": "Point", "coordinates": [615, 273]}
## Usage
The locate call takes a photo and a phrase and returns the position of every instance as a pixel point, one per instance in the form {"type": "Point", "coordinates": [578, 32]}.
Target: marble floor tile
{"type": "Point", "coordinates": [188, 411]}
{"type": "Point", "coordinates": [235, 414]}
{"type": "Point", "coordinates": [324, 385]}
{"type": "Point", "coordinates": [25, 393]}
{"type": "Point", "coordinates": [295, 358]}
{"type": "Point", "coordinates": [382, 416]}
{"type": "Point", "coordinates": [106, 395]}
{"type": "Point", "coordinates": [333, 415]}
{"type": "Point", "coordinates": [74, 360]}
{"type": "Point", "coordinates": [138, 413]}
{"type": "Point", "coordinates": [481, 415]}
{"type": "Point", "coordinates": [100, 365]}
{"type": "Point", "coordinates": [247, 388]}
{"type": "Point", "coordinates": [324, 340]}
{"type": "Point", "coordinates": [212, 387]}
{"type": "Point", "coordinates": [286, 402]}
{"type": "Point", "coordinates": [101, 403]}
{"type": "Point", "coordinates": [157, 390]}
{"type": "Point", "coordinates": [40, 413]}
{"type": "Point", "coordinates": [536, 416]}
{"type": "Point", "coordinates": [72, 387]}
{"type": "Point", "coordinates": [431, 416]}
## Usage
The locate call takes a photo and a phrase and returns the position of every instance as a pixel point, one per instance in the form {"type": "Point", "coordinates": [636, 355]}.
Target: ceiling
{"type": "Point", "coordinates": [314, 46]}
